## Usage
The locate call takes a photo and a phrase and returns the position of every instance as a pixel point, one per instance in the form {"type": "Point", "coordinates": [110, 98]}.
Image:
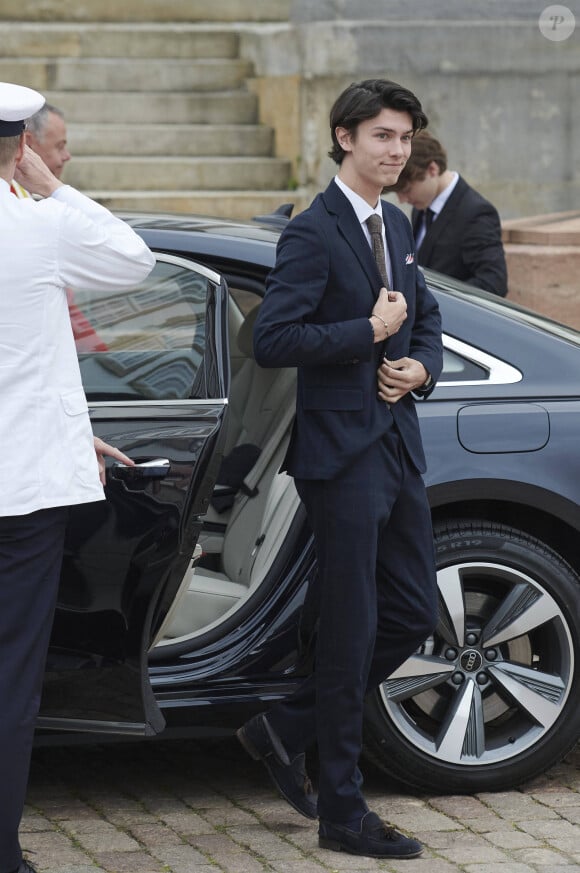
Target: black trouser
{"type": "Point", "coordinates": [378, 603]}
{"type": "Point", "coordinates": [31, 548]}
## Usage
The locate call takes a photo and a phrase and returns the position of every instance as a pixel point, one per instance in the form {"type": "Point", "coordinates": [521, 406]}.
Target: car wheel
{"type": "Point", "coordinates": [492, 698]}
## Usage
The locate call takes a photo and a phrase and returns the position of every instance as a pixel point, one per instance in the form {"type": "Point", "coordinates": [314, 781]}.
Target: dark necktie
{"type": "Point", "coordinates": [375, 225]}
{"type": "Point", "coordinates": [424, 221]}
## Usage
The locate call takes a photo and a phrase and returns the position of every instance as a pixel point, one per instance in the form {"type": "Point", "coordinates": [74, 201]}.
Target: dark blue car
{"type": "Point", "coordinates": [183, 608]}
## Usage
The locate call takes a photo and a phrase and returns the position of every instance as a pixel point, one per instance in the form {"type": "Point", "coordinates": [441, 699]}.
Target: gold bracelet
{"type": "Point", "coordinates": [374, 315]}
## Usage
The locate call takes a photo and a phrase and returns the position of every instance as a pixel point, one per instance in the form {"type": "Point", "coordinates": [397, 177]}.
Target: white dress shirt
{"type": "Point", "coordinates": [47, 458]}
{"type": "Point", "coordinates": [364, 211]}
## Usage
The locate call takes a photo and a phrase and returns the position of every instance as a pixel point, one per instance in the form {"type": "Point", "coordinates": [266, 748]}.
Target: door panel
{"type": "Point", "coordinates": [156, 381]}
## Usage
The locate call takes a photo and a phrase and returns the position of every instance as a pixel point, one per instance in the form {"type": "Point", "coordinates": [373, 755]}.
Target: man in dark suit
{"type": "Point", "coordinates": [457, 231]}
{"type": "Point", "coordinates": [355, 453]}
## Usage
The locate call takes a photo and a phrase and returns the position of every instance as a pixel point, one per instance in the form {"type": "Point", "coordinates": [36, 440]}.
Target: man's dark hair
{"type": "Point", "coordinates": [364, 100]}
{"type": "Point", "coordinates": [424, 150]}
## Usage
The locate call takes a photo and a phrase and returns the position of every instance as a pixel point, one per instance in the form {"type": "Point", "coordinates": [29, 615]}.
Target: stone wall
{"type": "Point", "coordinates": [409, 10]}
{"type": "Point", "coordinates": [543, 259]}
{"type": "Point", "coordinates": [503, 98]}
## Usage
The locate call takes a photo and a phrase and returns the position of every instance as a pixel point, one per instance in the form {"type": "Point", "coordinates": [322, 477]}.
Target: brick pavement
{"type": "Point", "coordinates": [193, 807]}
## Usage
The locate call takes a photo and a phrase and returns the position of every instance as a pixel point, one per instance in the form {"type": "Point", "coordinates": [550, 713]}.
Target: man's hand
{"type": "Point", "coordinates": [33, 174]}
{"type": "Point", "coordinates": [397, 378]}
{"type": "Point", "coordinates": [102, 448]}
{"type": "Point", "coordinates": [390, 310]}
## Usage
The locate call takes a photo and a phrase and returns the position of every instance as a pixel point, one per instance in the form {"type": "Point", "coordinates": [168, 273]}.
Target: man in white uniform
{"type": "Point", "coordinates": [48, 458]}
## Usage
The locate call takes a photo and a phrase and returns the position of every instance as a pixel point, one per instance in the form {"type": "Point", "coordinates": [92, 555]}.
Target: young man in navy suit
{"type": "Point", "coordinates": [457, 231]}
{"type": "Point", "coordinates": [356, 319]}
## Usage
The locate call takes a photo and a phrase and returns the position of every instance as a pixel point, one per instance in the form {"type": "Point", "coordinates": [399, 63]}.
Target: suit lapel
{"type": "Point", "coordinates": [444, 217]}
{"type": "Point", "coordinates": [416, 217]}
{"type": "Point", "coordinates": [349, 227]}
{"type": "Point", "coordinates": [396, 244]}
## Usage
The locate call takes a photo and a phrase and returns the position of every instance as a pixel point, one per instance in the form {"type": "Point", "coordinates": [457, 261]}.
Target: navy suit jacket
{"type": "Point", "coordinates": [465, 241]}
{"type": "Point", "coordinates": [314, 316]}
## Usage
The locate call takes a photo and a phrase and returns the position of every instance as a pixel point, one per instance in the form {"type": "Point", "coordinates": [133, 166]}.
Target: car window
{"type": "Point", "coordinates": [147, 343]}
{"type": "Point", "coordinates": [457, 368]}
{"type": "Point", "coordinates": [465, 364]}
{"type": "Point", "coordinates": [244, 299]}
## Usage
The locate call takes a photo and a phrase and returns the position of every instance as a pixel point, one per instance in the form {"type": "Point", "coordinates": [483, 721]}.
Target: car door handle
{"type": "Point", "coordinates": [157, 468]}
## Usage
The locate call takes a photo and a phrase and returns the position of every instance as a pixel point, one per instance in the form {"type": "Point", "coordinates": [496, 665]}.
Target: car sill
{"type": "Point", "coordinates": [94, 726]}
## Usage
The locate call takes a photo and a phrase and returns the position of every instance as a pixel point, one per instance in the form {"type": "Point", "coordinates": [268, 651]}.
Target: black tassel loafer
{"type": "Point", "coordinates": [373, 839]}
{"type": "Point", "coordinates": [289, 776]}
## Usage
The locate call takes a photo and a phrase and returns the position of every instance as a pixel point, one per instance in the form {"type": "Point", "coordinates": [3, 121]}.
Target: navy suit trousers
{"type": "Point", "coordinates": [31, 548]}
{"type": "Point", "coordinates": [377, 594]}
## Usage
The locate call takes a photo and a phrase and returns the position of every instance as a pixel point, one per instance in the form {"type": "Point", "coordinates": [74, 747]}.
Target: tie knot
{"type": "Point", "coordinates": [375, 223]}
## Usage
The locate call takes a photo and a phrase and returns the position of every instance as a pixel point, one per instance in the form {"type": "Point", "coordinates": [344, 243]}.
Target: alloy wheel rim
{"type": "Point", "coordinates": [494, 677]}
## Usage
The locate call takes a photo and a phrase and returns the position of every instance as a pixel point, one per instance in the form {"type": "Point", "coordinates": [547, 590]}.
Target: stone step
{"type": "Point", "coordinates": [185, 41]}
{"type": "Point", "coordinates": [163, 173]}
{"type": "Point", "coordinates": [145, 10]}
{"type": "Point", "coordinates": [233, 107]}
{"type": "Point", "coordinates": [135, 74]}
{"type": "Point", "coordinates": [240, 205]}
{"type": "Point", "coordinates": [192, 140]}
{"type": "Point", "coordinates": [554, 229]}
{"type": "Point", "coordinates": [154, 97]}
{"type": "Point", "coordinates": [543, 253]}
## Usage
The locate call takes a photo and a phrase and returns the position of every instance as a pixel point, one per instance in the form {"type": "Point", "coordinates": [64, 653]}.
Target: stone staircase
{"type": "Point", "coordinates": [159, 114]}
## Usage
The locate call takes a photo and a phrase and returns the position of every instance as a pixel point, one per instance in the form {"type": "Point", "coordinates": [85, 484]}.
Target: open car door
{"type": "Point", "coordinates": [155, 369]}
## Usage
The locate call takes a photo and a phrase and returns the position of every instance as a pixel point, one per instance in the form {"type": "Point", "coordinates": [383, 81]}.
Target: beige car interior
{"type": "Point", "coordinates": [261, 410]}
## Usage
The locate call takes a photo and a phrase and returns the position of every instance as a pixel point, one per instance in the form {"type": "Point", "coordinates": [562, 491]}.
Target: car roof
{"type": "Point", "coordinates": [254, 242]}
{"type": "Point", "coordinates": [499, 305]}
{"type": "Point", "coordinates": [220, 239]}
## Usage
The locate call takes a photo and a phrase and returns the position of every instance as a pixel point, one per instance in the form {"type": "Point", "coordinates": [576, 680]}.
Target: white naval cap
{"type": "Point", "coordinates": [17, 103]}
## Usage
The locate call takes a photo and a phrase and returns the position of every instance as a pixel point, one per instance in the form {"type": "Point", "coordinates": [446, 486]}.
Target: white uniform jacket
{"type": "Point", "coordinates": [47, 457]}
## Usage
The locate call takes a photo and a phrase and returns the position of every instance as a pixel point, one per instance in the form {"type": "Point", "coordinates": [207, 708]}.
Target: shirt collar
{"type": "Point", "coordinates": [360, 206]}
{"type": "Point", "coordinates": [442, 198]}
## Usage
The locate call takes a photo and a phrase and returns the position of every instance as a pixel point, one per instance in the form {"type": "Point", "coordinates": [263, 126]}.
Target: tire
{"type": "Point", "coordinates": [492, 699]}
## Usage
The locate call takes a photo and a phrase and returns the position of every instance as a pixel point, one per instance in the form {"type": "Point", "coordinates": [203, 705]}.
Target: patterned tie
{"type": "Point", "coordinates": [375, 225]}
